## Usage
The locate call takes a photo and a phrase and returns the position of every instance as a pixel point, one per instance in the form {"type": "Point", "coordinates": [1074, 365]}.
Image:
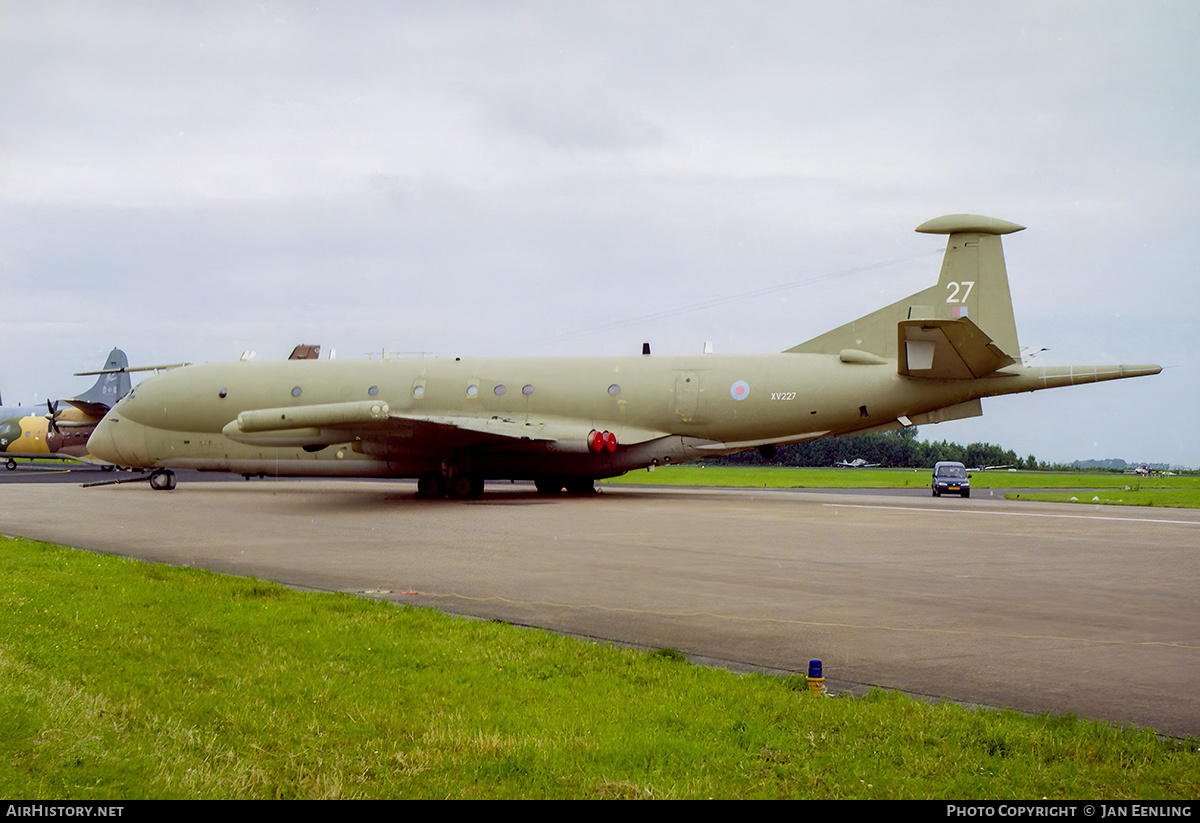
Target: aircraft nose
{"type": "Point", "coordinates": [119, 441]}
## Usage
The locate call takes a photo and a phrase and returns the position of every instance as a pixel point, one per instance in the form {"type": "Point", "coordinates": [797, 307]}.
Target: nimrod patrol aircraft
{"type": "Point", "coordinates": [565, 422]}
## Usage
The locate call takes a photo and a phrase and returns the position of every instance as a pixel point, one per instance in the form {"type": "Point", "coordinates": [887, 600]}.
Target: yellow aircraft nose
{"type": "Point", "coordinates": [120, 441]}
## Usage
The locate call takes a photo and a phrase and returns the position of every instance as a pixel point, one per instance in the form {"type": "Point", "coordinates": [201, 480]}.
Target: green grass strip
{"type": "Point", "coordinates": [802, 478]}
{"type": "Point", "coordinates": [1165, 498]}
{"type": "Point", "coordinates": [125, 680]}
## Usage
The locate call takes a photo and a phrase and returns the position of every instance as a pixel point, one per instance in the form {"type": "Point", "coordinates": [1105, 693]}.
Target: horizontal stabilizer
{"type": "Point", "coordinates": [131, 369]}
{"type": "Point", "coordinates": [947, 350]}
{"type": "Point", "coordinates": [961, 411]}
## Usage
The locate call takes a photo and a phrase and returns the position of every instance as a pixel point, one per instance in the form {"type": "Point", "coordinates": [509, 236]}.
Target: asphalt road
{"type": "Point", "coordinates": [1038, 607]}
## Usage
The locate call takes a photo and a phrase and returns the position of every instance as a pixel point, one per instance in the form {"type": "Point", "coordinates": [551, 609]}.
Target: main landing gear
{"type": "Point", "coordinates": [573, 485]}
{"type": "Point", "coordinates": [469, 485]}
{"type": "Point", "coordinates": [462, 486]}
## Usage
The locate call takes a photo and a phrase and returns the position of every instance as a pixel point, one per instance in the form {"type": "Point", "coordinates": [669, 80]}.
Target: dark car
{"type": "Point", "coordinates": [950, 478]}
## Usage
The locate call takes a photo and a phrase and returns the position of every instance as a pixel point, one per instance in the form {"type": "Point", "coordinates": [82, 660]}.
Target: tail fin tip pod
{"type": "Point", "coordinates": [973, 284]}
{"type": "Point", "coordinates": [968, 223]}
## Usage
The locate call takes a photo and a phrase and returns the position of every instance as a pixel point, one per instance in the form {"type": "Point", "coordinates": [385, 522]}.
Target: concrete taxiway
{"type": "Point", "coordinates": [1038, 607]}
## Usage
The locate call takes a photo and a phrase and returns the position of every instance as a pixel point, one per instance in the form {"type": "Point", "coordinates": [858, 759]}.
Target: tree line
{"type": "Point", "coordinates": [894, 449]}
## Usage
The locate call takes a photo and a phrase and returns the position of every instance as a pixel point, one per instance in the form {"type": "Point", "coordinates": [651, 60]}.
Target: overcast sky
{"type": "Point", "coordinates": [191, 180]}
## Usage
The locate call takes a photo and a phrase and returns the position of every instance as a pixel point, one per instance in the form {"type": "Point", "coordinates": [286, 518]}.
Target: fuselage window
{"type": "Point", "coordinates": [418, 391]}
{"type": "Point", "coordinates": [614, 389]}
{"type": "Point", "coordinates": [500, 390]}
{"type": "Point", "coordinates": [296, 391]}
{"type": "Point", "coordinates": [472, 390]}
{"type": "Point", "coordinates": [527, 390]}
{"type": "Point", "coordinates": [374, 390]}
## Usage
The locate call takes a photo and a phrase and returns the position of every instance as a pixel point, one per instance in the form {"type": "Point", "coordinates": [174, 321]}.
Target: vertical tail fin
{"type": "Point", "coordinates": [112, 384]}
{"type": "Point", "coordinates": [973, 284]}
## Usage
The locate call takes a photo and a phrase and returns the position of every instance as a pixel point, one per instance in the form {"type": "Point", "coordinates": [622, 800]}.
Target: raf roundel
{"type": "Point", "coordinates": [739, 390]}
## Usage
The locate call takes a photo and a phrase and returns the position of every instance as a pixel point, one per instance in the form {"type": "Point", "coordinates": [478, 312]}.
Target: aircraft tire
{"type": "Point", "coordinates": [466, 485]}
{"type": "Point", "coordinates": [548, 485]}
{"type": "Point", "coordinates": [10, 464]}
{"type": "Point", "coordinates": [163, 480]}
{"type": "Point", "coordinates": [431, 484]}
{"type": "Point", "coordinates": [584, 485]}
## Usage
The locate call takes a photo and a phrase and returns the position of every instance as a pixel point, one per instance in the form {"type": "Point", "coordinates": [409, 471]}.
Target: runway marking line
{"type": "Point", "coordinates": [962, 632]}
{"type": "Point", "coordinates": [1015, 514]}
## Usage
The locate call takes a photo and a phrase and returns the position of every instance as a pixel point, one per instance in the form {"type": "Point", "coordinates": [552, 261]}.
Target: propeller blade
{"type": "Point", "coordinates": [52, 415]}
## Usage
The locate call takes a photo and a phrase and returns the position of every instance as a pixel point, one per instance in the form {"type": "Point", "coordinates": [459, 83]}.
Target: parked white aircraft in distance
{"type": "Point", "coordinates": [856, 463]}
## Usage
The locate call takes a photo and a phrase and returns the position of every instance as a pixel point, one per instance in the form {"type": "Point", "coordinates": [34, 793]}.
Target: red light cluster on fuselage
{"type": "Point", "coordinates": [602, 442]}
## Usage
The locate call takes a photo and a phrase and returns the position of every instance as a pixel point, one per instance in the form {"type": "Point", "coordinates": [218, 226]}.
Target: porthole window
{"type": "Point", "coordinates": [418, 391]}
{"type": "Point", "coordinates": [500, 390]}
{"type": "Point", "coordinates": [614, 389]}
{"type": "Point", "coordinates": [472, 390]}
{"type": "Point", "coordinates": [527, 390]}
{"type": "Point", "coordinates": [374, 390]}
{"type": "Point", "coordinates": [296, 391]}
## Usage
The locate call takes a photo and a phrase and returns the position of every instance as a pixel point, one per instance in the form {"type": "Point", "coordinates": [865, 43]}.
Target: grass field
{"type": "Point", "coordinates": [799, 478]}
{"type": "Point", "coordinates": [125, 680]}
{"type": "Point", "coordinates": [1164, 498]}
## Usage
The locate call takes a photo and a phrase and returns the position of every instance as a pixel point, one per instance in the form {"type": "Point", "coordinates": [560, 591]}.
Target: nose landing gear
{"type": "Point", "coordinates": [162, 480]}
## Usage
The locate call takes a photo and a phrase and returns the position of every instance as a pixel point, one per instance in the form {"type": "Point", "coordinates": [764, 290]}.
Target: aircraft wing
{"type": "Point", "coordinates": [86, 459]}
{"type": "Point", "coordinates": [91, 409]}
{"type": "Point", "coordinates": [541, 434]}
{"type": "Point", "coordinates": [374, 421]}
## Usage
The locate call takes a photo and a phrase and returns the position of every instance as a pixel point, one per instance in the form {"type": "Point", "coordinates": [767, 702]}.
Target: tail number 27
{"type": "Point", "coordinates": [955, 288]}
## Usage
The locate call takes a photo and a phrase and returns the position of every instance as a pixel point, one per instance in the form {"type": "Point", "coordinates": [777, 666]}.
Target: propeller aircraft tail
{"type": "Point", "coordinates": [973, 286]}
